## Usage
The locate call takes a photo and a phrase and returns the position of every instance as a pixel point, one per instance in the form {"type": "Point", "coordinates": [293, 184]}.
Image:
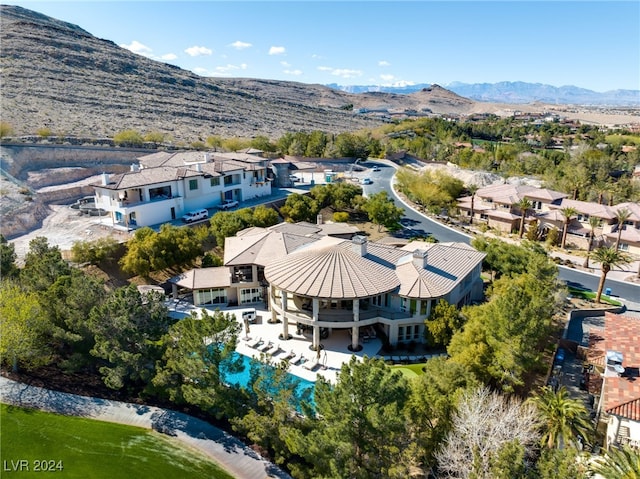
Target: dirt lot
{"type": "Point", "coordinates": [65, 226]}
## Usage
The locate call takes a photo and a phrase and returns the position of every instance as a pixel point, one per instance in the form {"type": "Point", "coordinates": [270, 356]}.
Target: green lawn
{"type": "Point", "coordinates": [410, 370]}
{"type": "Point", "coordinates": [93, 449]}
{"type": "Point", "coordinates": [590, 295]}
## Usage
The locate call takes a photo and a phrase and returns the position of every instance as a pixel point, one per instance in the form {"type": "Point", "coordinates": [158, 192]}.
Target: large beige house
{"type": "Point", "coordinates": [314, 278]}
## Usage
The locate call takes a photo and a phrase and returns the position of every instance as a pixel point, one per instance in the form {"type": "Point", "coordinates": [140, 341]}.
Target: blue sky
{"type": "Point", "coordinates": [589, 44]}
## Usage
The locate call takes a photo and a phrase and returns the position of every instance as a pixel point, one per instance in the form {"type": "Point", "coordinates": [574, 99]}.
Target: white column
{"type": "Point", "coordinates": [316, 327]}
{"type": "Point", "coordinates": [393, 334]}
{"type": "Point", "coordinates": [274, 315]}
{"type": "Point", "coordinates": [418, 308]}
{"type": "Point", "coordinates": [355, 330]}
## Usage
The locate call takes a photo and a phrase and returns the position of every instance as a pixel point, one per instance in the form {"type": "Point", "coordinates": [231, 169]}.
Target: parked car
{"type": "Point", "coordinates": [197, 215]}
{"type": "Point", "coordinates": [560, 355]}
{"type": "Point", "coordinates": [228, 204]}
{"type": "Point", "coordinates": [366, 181]}
{"type": "Point", "coordinates": [294, 178]}
{"type": "Point", "coordinates": [375, 168]}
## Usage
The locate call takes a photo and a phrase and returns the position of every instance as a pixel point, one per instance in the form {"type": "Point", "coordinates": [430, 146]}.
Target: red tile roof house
{"type": "Point", "coordinates": [619, 404]}
{"type": "Point", "coordinates": [495, 205]}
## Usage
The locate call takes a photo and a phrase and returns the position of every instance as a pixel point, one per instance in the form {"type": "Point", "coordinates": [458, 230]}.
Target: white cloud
{"type": "Point", "coordinates": [196, 51]}
{"type": "Point", "coordinates": [292, 72]}
{"type": "Point", "coordinates": [383, 63]}
{"type": "Point", "coordinates": [238, 45]}
{"type": "Point", "coordinates": [228, 69]}
{"type": "Point", "coordinates": [276, 50]}
{"type": "Point", "coordinates": [391, 80]}
{"type": "Point", "coordinates": [169, 56]}
{"type": "Point", "coordinates": [341, 72]}
{"type": "Point", "coordinates": [200, 71]}
{"type": "Point", "coordinates": [285, 64]}
{"type": "Point", "coordinates": [139, 48]}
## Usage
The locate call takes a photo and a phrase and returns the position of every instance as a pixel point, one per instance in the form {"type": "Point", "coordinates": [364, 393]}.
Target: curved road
{"type": "Point", "coordinates": [416, 223]}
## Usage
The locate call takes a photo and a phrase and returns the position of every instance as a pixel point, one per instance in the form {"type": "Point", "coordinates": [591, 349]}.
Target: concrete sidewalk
{"type": "Point", "coordinates": [230, 453]}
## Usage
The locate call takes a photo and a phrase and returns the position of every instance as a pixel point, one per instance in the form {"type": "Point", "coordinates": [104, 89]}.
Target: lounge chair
{"type": "Point", "coordinates": [273, 349]}
{"type": "Point", "coordinates": [298, 359]}
{"type": "Point", "coordinates": [310, 365]}
{"type": "Point", "coordinates": [254, 343]}
{"type": "Point", "coordinates": [290, 355]}
{"type": "Point", "coordinates": [265, 346]}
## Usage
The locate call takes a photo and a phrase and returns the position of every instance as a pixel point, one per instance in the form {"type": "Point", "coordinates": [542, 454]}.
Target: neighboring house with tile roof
{"type": "Point", "coordinates": [496, 205]}
{"type": "Point", "coordinates": [630, 236]}
{"type": "Point", "coordinates": [166, 185]}
{"type": "Point", "coordinates": [620, 398]}
{"type": "Point", "coordinates": [312, 280]}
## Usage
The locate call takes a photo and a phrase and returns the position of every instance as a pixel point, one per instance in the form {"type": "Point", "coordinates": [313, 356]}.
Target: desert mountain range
{"type": "Point", "coordinates": [58, 76]}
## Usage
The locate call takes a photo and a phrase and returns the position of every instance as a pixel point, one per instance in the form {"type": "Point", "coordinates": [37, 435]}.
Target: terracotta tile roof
{"type": "Point", "coordinates": [630, 409]}
{"type": "Point", "coordinates": [622, 393]}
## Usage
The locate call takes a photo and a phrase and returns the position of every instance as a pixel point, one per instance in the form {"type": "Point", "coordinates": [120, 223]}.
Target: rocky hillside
{"type": "Point", "coordinates": [56, 75]}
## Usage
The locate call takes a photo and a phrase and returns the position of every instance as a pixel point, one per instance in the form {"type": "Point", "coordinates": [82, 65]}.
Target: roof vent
{"type": "Point", "coordinates": [614, 362]}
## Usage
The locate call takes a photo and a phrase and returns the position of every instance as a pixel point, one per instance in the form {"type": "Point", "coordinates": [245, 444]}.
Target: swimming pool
{"type": "Point", "coordinates": [303, 387]}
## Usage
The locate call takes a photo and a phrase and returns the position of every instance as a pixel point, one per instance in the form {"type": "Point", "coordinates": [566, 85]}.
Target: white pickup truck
{"type": "Point", "coordinates": [228, 204]}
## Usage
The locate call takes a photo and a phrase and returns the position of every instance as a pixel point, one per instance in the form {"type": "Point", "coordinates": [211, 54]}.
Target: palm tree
{"type": "Point", "coordinates": [608, 257]}
{"type": "Point", "coordinates": [568, 212]}
{"type": "Point", "coordinates": [472, 188]}
{"type": "Point", "coordinates": [622, 215]}
{"type": "Point", "coordinates": [563, 418]}
{"type": "Point", "coordinates": [593, 223]}
{"type": "Point", "coordinates": [618, 464]}
{"type": "Point", "coordinates": [524, 205]}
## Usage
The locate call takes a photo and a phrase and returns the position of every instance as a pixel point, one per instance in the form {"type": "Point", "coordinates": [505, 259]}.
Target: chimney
{"type": "Point", "coordinates": [198, 166]}
{"type": "Point", "coordinates": [319, 219]}
{"type": "Point", "coordinates": [134, 167]}
{"type": "Point", "coordinates": [105, 179]}
{"type": "Point", "coordinates": [420, 258]}
{"type": "Point", "coordinates": [359, 245]}
{"type": "Point", "coordinates": [207, 158]}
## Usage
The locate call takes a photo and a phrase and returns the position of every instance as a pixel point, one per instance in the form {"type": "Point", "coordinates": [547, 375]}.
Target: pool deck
{"type": "Point", "coordinates": [334, 354]}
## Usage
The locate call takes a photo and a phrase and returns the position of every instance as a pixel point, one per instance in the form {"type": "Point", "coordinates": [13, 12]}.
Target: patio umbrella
{"type": "Point", "coordinates": [246, 326]}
